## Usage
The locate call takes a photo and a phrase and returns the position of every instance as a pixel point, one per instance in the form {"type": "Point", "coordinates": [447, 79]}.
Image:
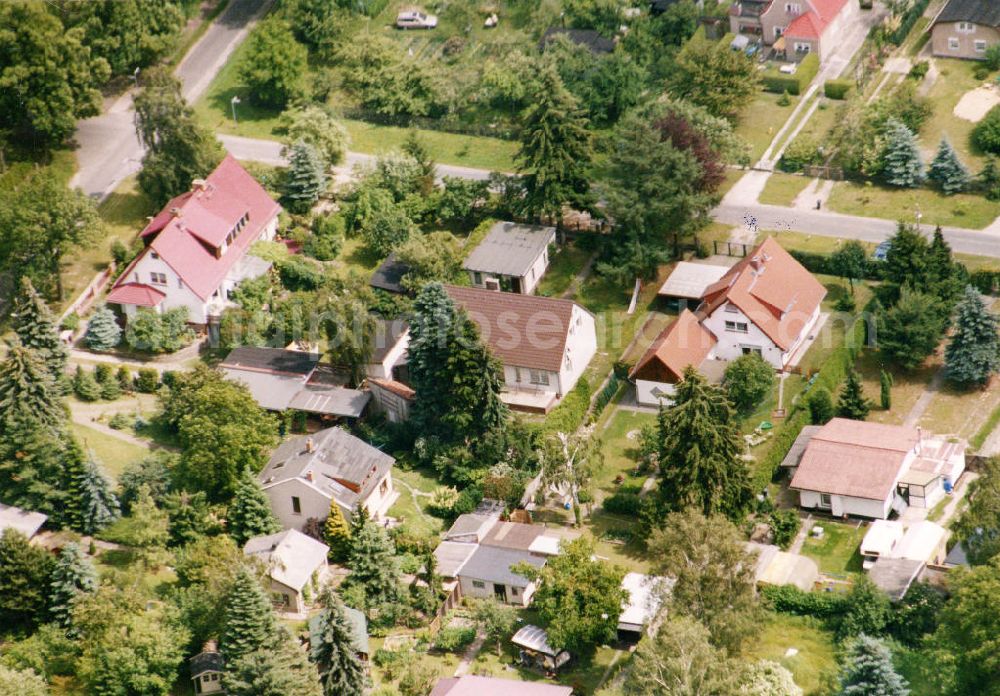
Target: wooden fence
{"type": "Point", "coordinates": [96, 286]}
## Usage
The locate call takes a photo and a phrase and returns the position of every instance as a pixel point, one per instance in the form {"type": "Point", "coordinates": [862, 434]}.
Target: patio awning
{"type": "Point", "coordinates": [779, 45]}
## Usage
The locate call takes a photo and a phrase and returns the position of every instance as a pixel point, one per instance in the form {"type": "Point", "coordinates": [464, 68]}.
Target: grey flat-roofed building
{"type": "Point", "coordinates": [512, 257]}
{"type": "Point", "coordinates": [24, 521]}
{"type": "Point", "coordinates": [487, 573]}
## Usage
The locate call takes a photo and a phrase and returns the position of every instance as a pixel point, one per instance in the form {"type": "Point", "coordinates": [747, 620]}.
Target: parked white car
{"type": "Point", "coordinates": [415, 19]}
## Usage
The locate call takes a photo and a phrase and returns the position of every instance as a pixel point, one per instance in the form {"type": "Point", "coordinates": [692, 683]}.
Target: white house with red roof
{"type": "Point", "coordinates": [196, 248]}
{"type": "Point", "coordinates": [768, 304]}
{"type": "Point", "coordinates": [795, 27]}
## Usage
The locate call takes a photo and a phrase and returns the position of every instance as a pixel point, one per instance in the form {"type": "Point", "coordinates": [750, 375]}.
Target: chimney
{"type": "Point", "coordinates": [310, 446]}
{"type": "Point", "coordinates": [175, 212]}
{"type": "Point", "coordinates": [199, 185]}
{"type": "Point", "coordinates": [309, 475]}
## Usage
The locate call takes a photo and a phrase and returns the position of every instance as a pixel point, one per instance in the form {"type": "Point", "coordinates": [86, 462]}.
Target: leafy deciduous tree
{"type": "Point", "coordinates": [747, 380]}
{"type": "Point", "coordinates": [274, 65]}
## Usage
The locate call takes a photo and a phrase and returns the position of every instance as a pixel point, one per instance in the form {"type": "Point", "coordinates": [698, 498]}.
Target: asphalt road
{"type": "Point", "coordinates": [107, 147]}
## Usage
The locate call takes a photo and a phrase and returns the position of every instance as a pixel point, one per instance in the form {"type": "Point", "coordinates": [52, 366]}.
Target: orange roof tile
{"type": "Point", "coordinates": [685, 342]}
{"type": "Point", "coordinates": [772, 289]}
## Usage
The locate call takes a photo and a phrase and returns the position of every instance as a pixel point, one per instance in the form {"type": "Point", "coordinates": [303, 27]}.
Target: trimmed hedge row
{"type": "Point", "coordinates": [823, 264]}
{"type": "Point", "coordinates": [986, 282]}
{"type": "Point", "coordinates": [837, 89]}
{"type": "Point", "coordinates": [569, 415]}
{"type": "Point", "coordinates": [788, 599]}
{"type": "Point", "coordinates": [910, 18]}
{"type": "Point", "coordinates": [778, 82]}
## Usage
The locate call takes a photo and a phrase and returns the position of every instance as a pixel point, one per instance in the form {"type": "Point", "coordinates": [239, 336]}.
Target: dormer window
{"type": "Point", "coordinates": [154, 255]}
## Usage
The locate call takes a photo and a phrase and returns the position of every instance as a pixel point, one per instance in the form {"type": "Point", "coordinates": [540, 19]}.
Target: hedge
{"type": "Point", "coordinates": [909, 19]}
{"type": "Point", "coordinates": [569, 415]}
{"type": "Point", "coordinates": [778, 82]}
{"type": "Point", "coordinates": [822, 264]}
{"type": "Point", "coordinates": [627, 500]}
{"type": "Point", "coordinates": [788, 599]}
{"type": "Point", "coordinates": [837, 89]}
{"type": "Point", "coordinates": [607, 394]}
{"type": "Point", "coordinates": [985, 281]}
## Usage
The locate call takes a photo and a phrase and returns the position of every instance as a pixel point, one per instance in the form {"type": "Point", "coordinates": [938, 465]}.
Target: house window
{"type": "Point", "coordinates": [477, 278]}
{"type": "Point", "coordinates": [803, 47]}
{"type": "Point", "coordinates": [513, 592]}
{"type": "Point", "coordinates": [539, 377]}
{"type": "Point", "coordinates": [296, 505]}
{"type": "Point", "coordinates": [479, 584]}
{"type": "Point", "coordinates": [180, 282]}
{"type": "Point", "coordinates": [154, 255]}
{"type": "Point", "coordinates": [383, 487]}
{"type": "Point", "coordinates": [730, 307]}
{"type": "Point", "coordinates": [980, 46]}
{"type": "Point", "coordinates": [952, 43]}
{"type": "Point", "coordinates": [158, 278]}
{"type": "Point", "coordinates": [737, 326]}
{"type": "Point", "coordinates": [778, 31]}
{"type": "Point", "coordinates": [792, 8]}
{"type": "Point", "coordinates": [747, 350]}
{"type": "Point", "coordinates": [967, 27]}
{"type": "Point", "coordinates": [824, 500]}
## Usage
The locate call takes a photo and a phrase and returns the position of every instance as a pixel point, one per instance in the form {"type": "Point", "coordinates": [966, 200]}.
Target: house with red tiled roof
{"type": "Point", "coordinates": [196, 248]}
{"type": "Point", "coordinates": [795, 28]}
{"type": "Point", "coordinates": [768, 304]}
{"type": "Point", "coordinates": [863, 469]}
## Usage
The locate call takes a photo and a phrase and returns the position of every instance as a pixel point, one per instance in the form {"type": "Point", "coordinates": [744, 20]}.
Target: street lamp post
{"type": "Point", "coordinates": [233, 102]}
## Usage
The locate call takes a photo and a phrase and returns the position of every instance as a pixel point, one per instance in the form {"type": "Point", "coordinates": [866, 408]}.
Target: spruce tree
{"type": "Point", "coordinates": [28, 394]}
{"type": "Point", "coordinates": [699, 451]}
{"type": "Point", "coordinates": [973, 354]}
{"type": "Point", "coordinates": [820, 405]}
{"type": "Point", "coordinates": [103, 332]}
{"type": "Point", "coordinates": [306, 179]}
{"type": "Point", "coordinates": [913, 328]}
{"type": "Point", "coordinates": [37, 329]}
{"type": "Point", "coordinates": [341, 672]}
{"type": "Point", "coordinates": [456, 379]}
{"type": "Point", "coordinates": [901, 163]}
{"type": "Point", "coordinates": [337, 533]}
{"type": "Point", "coordinates": [885, 390]}
{"type": "Point", "coordinates": [91, 504]}
{"type": "Point", "coordinates": [906, 263]}
{"type": "Point", "coordinates": [374, 567]}
{"type": "Point", "coordinates": [868, 671]}
{"type": "Point", "coordinates": [555, 148]}
{"type": "Point", "coordinates": [25, 572]}
{"type": "Point", "coordinates": [946, 278]}
{"type": "Point", "coordinates": [359, 519]}
{"type": "Point", "coordinates": [988, 180]}
{"type": "Point", "coordinates": [72, 576]}
{"type": "Point", "coordinates": [85, 385]}
{"type": "Point", "coordinates": [283, 670]}
{"type": "Point", "coordinates": [250, 514]}
{"type": "Point", "coordinates": [852, 403]}
{"type": "Point", "coordinates": [250, 623]}
{"type": "Point", "coordinates": [947, 171]}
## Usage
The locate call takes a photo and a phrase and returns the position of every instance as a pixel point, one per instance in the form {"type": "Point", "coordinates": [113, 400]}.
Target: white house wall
{"type": "Point", "coordinates": [533, 277]}
{"type": "Point", "coordinates": [581, 344]}
{"type": "Point", "coordinates": [523, 598]}
{"type": "Point", "coordinates": [379, 501]}
{"type": "Point", "coordinates": [730, 344]}
{"type": "Point", "coordinates": [312, 502]}
{"type": "Point", "coordinates": [846, 505]}
{"type": "Point", "coordinates": [178, 293]}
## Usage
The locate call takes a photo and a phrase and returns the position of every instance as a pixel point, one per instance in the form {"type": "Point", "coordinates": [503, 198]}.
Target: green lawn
{"type": "Point", "coordinates": [781, 189]}
{"type": "Point", "coordinates": [955, 80]}
{"type": "Point", "coordinates": [837, 551]}
{"type": "Point", "coordinates": [410, 509]}
{"type": "Point", "coordinates": [567, 261]}
{"type": "Point", "coordinates": [112, 454]}
{"type": "Point", "coordinates": [814, 664]}
{"type": "Point", "coordinates": [762, 120]}
{"type": "Point", "coordinates": [871, 200]}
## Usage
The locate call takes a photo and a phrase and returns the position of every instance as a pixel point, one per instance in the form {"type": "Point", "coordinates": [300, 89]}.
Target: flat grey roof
{"type": "Point", "coordinates": [331, 401]}
{"type": "Point", "coordinates": [271, 360]}
{"type": "Point", "coordinates": [798, 448]}
{"type": "Point", "coordinates": [24, 521]}
{"type": "Point", "coordinates": [510, 249]}
{"type": "Point", "coordinates": [895, 575]}
{"type": "Point", "coordinates": [689, 280]}
{"type": "Point", "coordinates": [451, 556]}
{"type": "Point", "coordinates": [493, 564]}
{"type": "Point", "coordinates": [272, 391]}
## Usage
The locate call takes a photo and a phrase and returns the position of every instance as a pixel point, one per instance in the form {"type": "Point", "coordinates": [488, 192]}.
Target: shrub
{"type": "Point", "coordinates": [625, 501]}
{"type": "Point", "coordinates": [85, 387]}
{"type": "Point", "coordinates": [777, 82]}
{"type": "Point", "coordinates": [443, 501]}
{"type": "Point", "coordinates": [800, 154]}
{"type": "Point", "coordinates": [455, 638]}
{"type": "Point", "coordinates": [119, 421]}
{"type": "Point", "coordinates": [919, 70]}
{"type": "Point", "coordinates": [991, 59]}
{"type": "Point", "coordinates": [837, 89]}
{"type": "Point", "coordinates": [986, 134]}
{"type": "Point", "coordinates": [785, 525]}
{"type": "Point", "coordinates": [147, 381]}
{"type": "Point", "coordinates": [788, 599]}
{"type": "Point", "coordinates": [569, 415]}
{"type": "Point", "coordinates": [159, 333]}
{"type": "Point", "coordinates": [820, 404]}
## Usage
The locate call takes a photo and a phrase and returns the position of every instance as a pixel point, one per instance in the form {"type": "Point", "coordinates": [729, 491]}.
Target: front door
{"type": "Point", "coordinates": [501, 592]}
{"type": "Point", "coordinates": [515, 285]}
